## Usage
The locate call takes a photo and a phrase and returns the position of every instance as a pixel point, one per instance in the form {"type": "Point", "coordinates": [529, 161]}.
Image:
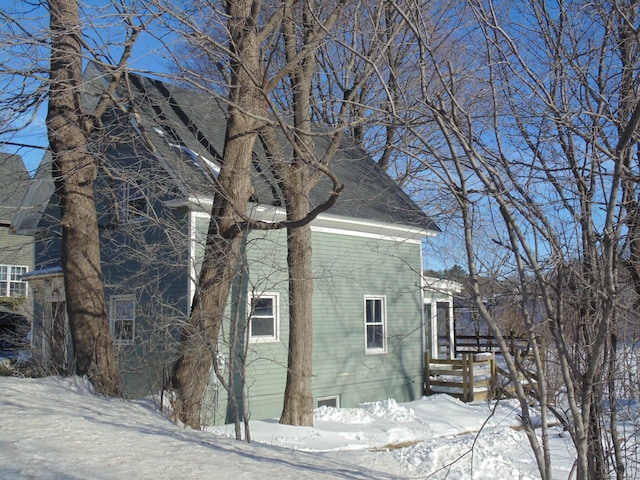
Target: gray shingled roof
{"type": "Point", "coordinates": [173, 116]}
{"type": "Point", "coordinates": [198, 121]}
{"type": "Point", "coordinates": [14, 181]}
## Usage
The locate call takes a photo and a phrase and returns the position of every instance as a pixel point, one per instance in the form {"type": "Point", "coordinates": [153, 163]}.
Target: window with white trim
{"type": "Point", "coordinates": [263, 319]}
{"type": "Point", "coordinates": [135, 204]}
{"type": "Point", "coordinates": [122, 316]}
{"type": "Point", "coordinates": [11, 283]}
{"type": "Point", "coordinates": [375, 324]}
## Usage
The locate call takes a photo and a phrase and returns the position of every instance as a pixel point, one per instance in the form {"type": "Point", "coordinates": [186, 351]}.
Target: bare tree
{"type": "Point", "coordinates": [538, 126]}
{"type": "Point", "coordinates": [252, 108]}
{"type": "Point", "coordinates": [333, 97]}
{"type": "Point", "coordinates": [294, 94]}
{"type": "Point", "coordinates": [296, 181]}
{"type": "Point", "coordinates": [222, 251]}
{"type": "Point", "coordinates": [69, 128]}
{"type": "Point", "coordinates": [246, 115]}
{"type": "Point", "coordinates": [50, 44]}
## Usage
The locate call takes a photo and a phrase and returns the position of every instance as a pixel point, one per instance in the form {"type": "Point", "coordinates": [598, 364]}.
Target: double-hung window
{"type": "Point", "coordinates": [263, 320]}
{"type": "Point", "coordinates": [123, 319]}
{"type": "Point", "coordinates": [375, 324]}
{"type": "Point", "coordinates": [11, 284]}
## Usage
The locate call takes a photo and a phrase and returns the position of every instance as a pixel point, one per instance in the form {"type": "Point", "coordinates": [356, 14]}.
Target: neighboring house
{"type": "Point", "coordinates": [154, 191]}
{"type": "Point", "coordinates": [16, 256]}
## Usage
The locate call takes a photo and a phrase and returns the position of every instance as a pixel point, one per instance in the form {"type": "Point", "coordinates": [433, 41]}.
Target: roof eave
{"type": "Point", "coordinates": [324, 222]}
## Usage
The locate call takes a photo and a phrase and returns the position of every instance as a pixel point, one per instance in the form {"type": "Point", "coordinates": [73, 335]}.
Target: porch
{"type": "Point", "coordinates": [469, 378]}
{"type": "Point", "coordinates": [477, 372]}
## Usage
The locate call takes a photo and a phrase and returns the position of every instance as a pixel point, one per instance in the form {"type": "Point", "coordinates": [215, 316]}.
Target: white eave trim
{"type": "Point", "coordinates": [325, 223]}
{"type": "Point", "coordinates": [432, 284]}
{"type": "Point", "coordinates": [191, 203]}
{"type": "Point", "coordinates": [43, 274]}
{"type": "Point", "coordinates": [328, 223]}
{"type": "Point", "coordinates": [369, 228]}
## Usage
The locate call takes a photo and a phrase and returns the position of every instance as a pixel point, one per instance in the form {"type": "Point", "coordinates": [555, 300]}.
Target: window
{"type": "Point", "coordinates": [123, 319]}
{"type": "Point", "coordinates": [263, 320]}
{"type": "Point", "coordinates": [11, 284]}
{"type": "Point", "coordinates": [333, 401]}
{"type": "Point", "coordinates": [375, 324]}
{"type": "Point", "coordinates": [135, 203]}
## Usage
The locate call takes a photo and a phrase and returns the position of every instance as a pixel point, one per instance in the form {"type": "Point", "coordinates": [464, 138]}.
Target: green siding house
{"type": "Point", "coordinates": [154, 192]}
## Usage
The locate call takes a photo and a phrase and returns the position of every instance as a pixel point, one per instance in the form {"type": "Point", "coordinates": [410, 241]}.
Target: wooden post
{"type": "Point", "coordinates": [467, 377]}
{"type": "Point", "coordinates": [465, 359]}
{"type": "Point", "coordinates": [494, 377]}
{"type": "Point", "coordinates": [471, 393]}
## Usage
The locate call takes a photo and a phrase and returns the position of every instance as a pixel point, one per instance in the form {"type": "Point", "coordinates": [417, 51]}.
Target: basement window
{"type": "Point", "coordinates": [332, 401]}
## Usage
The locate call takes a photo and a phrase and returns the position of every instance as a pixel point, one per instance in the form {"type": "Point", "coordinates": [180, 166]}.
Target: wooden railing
{"type": "Point", "coordinates": [469, 377]}
{"type": "Point", "coordinates": [487, 343]}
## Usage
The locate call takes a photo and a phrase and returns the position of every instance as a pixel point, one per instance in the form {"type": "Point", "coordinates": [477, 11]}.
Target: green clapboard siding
{"type": "Point", "coordinates": [346, 268]}
{"type": "Point", "coordinates": [264, 270]}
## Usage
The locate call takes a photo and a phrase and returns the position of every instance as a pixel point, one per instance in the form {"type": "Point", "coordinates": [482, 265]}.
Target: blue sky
{"type": "Point", "coordinates": [30, 143]}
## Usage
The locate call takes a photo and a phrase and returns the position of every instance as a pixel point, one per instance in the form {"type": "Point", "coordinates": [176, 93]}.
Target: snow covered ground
{"type": "Point", "coordinates": [56, 428]}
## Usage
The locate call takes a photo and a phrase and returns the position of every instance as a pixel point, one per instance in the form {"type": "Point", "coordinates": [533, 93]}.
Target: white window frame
{"type": "Point", "coordinates": [112, 319]}
{"type": "Point", "coordinates": [132, 193]}
{"type": "Point", "coordinates": [12, 278]}
{"type": "Point", "coordinates": [382, 323]}
{"type": "Point", "coordinates": [330, 397]}
{"type": "Point", "coordinates": [275, 297]}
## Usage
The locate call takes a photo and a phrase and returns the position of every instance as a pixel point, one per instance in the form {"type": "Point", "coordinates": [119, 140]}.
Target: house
{"type": "Point", "coordinates": [16, 257]}
{"type": "Point", "coordinates": [154, 191]}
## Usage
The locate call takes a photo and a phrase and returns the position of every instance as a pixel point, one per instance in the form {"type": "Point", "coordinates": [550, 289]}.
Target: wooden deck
{"type": "Point", "coordinates": [474, 374]}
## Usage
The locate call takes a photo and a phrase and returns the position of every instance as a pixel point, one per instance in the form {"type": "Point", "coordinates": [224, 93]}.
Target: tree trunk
{"type": "Point", "coordinates": [200, 337]}
{"type": "Point", "coordinates": [74, 171]}
{"type": "Point", "coordinates": [298, 396]}
{"type": "Point", "coordinates": [223, 247]}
